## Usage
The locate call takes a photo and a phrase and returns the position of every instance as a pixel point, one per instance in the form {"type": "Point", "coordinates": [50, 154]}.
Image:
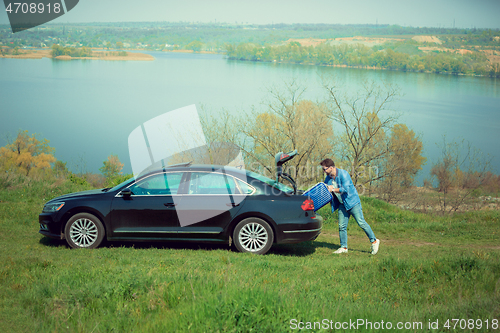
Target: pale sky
{"type": "Point", "coordinates": [416, 13]}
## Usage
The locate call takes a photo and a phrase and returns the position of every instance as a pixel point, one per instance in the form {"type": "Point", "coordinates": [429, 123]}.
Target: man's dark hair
{"type": "Point", "coordinates": [327, 162]}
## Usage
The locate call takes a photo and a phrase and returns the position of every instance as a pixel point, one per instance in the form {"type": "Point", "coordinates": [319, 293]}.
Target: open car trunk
{"type": "Point", "coordinates": [280, 159]}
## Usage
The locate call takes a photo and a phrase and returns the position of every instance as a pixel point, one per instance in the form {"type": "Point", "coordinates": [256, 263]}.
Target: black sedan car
{"type": "Point", "coordinates": [196, 203]}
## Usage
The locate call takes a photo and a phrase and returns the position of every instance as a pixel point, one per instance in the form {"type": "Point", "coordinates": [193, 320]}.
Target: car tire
{"type": "Point", "coordinates": [253, 235]}
{"type": "Point", "coordinates": [84, 230]}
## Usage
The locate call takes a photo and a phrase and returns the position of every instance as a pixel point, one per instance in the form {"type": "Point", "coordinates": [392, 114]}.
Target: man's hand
{"type": "Point", "coordinates": [330, 188]}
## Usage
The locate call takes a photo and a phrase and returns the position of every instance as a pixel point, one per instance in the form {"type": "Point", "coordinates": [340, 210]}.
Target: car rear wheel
{"type": "Point", "coordinates": [84, 230]}
{"type": "Point", "coordinates": [253, 235]}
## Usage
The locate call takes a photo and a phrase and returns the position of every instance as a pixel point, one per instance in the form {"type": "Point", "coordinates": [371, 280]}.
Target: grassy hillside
{"type": "Point", "coordinates": [429, 269]}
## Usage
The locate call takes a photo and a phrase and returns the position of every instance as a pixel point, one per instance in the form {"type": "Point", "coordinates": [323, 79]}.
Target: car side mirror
{"type": "Point", "coordinates": [126, 192]}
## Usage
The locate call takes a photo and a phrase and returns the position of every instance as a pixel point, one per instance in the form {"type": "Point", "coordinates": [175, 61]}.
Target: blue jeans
{"type": "Point", "coordinates": [344, 215]}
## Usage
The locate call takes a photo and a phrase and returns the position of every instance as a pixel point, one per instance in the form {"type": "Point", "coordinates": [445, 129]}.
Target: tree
{"type": "Point", "coordinates": [57, 50]}
{"type": "Point", "coordinates": [288, 123]}
{"type": "Point", "coordinates": [363, 121]}
{"type": "Point", "coordinates": [460, 172]}
{"type": "Point", "coordinates": [377, 151]}
{"type": "Point", "coordinates": [402, 164]}
{"type": "Point", "coordinates": [195, 45]}
{"type": "Point", "coordinates": [27, 154]}
{"type": "Point", "coordinates": [111, 169]}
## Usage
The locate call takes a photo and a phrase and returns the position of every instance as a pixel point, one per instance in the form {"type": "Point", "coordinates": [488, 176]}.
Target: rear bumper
{"type": "Point", "coordinates": [301, 230]}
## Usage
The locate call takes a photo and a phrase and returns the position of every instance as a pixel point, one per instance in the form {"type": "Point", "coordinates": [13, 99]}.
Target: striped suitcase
{"type": "Point", "coordinates": [319, 194]}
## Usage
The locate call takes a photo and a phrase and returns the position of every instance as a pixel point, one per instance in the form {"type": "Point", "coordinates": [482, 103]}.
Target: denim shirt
{"type": "Point", "coordinates": [347, 190]}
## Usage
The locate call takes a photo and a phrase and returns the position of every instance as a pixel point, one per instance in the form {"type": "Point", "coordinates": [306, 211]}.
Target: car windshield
{"type": "Point", "coordinates": [119, 186]}
{"type": "Point", "coordinates": [269, 181]}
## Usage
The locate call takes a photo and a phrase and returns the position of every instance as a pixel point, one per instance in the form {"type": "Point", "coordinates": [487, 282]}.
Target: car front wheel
{"type": "Point", "coordinates": [253, 235]}
{"type": "Point", "coordinates": [84, 230]}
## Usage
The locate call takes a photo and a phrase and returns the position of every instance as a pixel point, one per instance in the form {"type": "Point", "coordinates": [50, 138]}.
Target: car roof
{"type": "Point", "coordinates": [198, 167]}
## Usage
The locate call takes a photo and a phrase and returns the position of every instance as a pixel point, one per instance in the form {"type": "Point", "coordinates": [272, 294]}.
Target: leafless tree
{"type": "Point", "coordinates": [288, 122]}
{"type": "Point", "coordinates": [460, 172]}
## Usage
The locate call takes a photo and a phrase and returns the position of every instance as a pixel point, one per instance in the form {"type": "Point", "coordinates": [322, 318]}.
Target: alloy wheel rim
{"type": "Point", "coordinates": [83, 232]}
{"type": "Point", "coordinates": [253, 237]}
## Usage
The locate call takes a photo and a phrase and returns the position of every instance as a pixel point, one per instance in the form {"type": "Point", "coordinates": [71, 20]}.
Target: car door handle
{"type": "Point", "coordinates": [232, 204]}
{"type": "Point", "coordinates": [169, 204]}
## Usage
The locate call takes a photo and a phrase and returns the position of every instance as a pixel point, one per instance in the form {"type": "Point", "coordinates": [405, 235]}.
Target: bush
{"type": "Point", "coordinates": [77, 180]}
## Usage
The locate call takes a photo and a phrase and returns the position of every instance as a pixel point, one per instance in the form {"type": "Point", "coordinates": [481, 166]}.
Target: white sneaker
{"type": "Point", "coordinates": [340, 250]}
{"type": "Point", "coordinates": [375, 246]}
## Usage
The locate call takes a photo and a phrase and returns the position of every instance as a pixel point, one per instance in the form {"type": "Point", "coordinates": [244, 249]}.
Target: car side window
{"type": "Point", "coordinates": [245, 188]}
{"type": "Point", "coordinates": [160, 184]}
{"type": "Point", "coordinates": [211, 183]}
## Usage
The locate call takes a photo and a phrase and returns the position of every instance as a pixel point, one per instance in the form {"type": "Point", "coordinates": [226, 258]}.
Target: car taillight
{"type": "Point", "coordinates": [308, 204]}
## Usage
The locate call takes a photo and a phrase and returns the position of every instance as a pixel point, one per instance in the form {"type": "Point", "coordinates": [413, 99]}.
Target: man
{"type": "Point", "coordinates": [346, 200]}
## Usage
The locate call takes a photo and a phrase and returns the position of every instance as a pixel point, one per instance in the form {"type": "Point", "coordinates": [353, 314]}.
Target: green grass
{"type": "Point", "coordinates": [429, 268]}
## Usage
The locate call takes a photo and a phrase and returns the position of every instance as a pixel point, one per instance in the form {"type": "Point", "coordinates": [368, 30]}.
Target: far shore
{"type": "Point", "coordinates": [97, 55]}
{"type": "Point", "coordinates": [191, 51]}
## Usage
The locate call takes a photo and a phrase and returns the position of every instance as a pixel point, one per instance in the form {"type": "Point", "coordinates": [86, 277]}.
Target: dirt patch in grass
{"type": "Point", "coordinates": [407, 242]}
{"type": "Point", "coordinates": [428, 49]}
{"type": "Point", "coordinates": [397, 242]}
{"type": "Point", "coordinates": [427, 39]}
{"type": "Point", "coordinates": [306, 41]}
{"type": "Point", "coordinates": [492, 55]}
{"type": "Point", "coordinates": [367, 41]}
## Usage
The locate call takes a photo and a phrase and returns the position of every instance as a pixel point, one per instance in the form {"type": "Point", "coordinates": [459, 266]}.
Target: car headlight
{"type": "Point", "coordinates": [52, 207]}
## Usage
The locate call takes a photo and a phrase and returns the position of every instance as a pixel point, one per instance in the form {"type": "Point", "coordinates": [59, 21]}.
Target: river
{"type": "Point", "coordinates": [87, 108]}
